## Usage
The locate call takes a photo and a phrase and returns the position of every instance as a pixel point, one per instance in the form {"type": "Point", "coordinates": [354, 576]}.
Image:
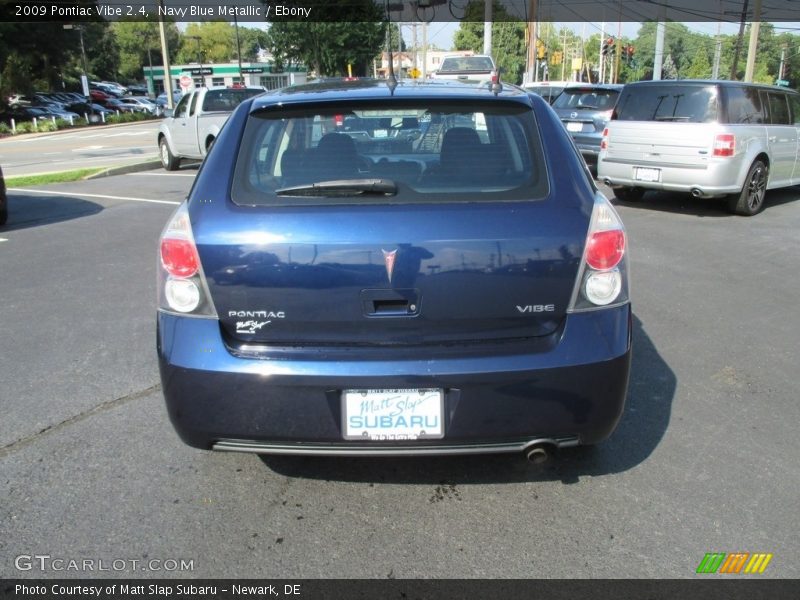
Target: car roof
{"type": "Point", "coordinates": [378, 89]}
{"type": "Point", "coordinates": [699, 82]}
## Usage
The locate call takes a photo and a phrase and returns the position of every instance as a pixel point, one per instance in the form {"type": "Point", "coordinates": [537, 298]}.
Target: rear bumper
{"type": "Point", "coordinates": [713, 178]}
{"type": "Point", "coordinates": [571, 392]}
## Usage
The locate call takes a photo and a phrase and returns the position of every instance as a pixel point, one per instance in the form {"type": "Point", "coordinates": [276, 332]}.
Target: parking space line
{"type": "Point", "coordinates": [83, 195]}
{"type": "Point", "coordinates": [150, 174]}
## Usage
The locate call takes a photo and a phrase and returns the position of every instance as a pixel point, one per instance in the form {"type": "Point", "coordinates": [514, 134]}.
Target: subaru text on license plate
{"type": "Point", "coordinates": [392, 414]}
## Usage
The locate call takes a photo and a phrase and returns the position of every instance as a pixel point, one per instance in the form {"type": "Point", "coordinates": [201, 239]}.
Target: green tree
{"type": "Point", "coordinates": [355, 38]}
{"type": "Point", "coordinates": [209, 42]}
{"type": "Point", "coordinates": [700, 68]}
{"type": "Point", "coordinates": [508, 39]}
{"type": "Point", "coordinates": [251, 41]}
{"type": "Point", "coordinates": [134, 38]}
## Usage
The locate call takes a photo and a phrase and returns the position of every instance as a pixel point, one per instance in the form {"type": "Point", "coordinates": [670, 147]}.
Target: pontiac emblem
{"type": "Point", "coordinates": [388, 259]}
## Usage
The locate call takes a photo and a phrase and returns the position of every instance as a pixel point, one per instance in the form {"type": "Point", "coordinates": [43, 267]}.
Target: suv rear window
{"type": "Point", "coordinates": [586, 98]}
{"type": "Point", "coordinates": [426, 152]}
{"type": "Point", "coordinates": [679, 103]}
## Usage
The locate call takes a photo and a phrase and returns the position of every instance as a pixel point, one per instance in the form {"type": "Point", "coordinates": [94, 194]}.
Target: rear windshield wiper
{"type": "Point", "coordinates": [342, 187]}
{"type": "Point", "coordinates": [671, 118]}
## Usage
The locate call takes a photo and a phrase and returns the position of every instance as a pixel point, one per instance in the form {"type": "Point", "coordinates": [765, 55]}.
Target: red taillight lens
{"type": "Point", "coordinates": [179, 257]}
{"type": "Point", "coordinates": [338, 120]}
{"type": "Point", "coordinates": [724, 144]}
{"type": "Point", "coordinates": [604, 141]}
{"type": "Point", "coordinates": [605, 249]}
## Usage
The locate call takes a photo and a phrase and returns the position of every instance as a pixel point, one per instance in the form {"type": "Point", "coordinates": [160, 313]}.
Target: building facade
{"type": "Point", "coordinates": [253, 74]}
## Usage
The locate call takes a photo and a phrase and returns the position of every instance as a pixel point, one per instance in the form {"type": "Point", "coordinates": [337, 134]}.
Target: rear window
{"type": "Point", "coordinates": [228, 99]}
{"type": "Point", "coordinates": [679, 103]}
{"type": "Point", "coordinates": [467, 63]}
{"type": "Point", "coordinates": [423, 152]}
{"type": "Point", "coordinates": [586, 99]}
{"type": "Point", "coordinates": [548, 92]}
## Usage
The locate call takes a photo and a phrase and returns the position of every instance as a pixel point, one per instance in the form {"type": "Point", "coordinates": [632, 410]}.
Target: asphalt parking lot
{"type": "Point", "coordinates": [703, 459]}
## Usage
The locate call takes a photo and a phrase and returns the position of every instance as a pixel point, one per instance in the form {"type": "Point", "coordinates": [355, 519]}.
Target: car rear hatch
{"type": "Point", "coordinates": [585, 111]}
{"type": "Point", "coordinates": [669, 125]}
{"type": "Point", "coordinates": [442, 259]}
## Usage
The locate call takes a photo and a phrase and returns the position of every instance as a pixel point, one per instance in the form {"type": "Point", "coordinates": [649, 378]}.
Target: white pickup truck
{"type": "Point", "coordinates": [465, 68]}
{"type": "Point", "coordinates": [190, 129]}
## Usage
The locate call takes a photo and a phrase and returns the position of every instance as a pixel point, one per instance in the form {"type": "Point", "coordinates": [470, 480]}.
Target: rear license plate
{"type": "Point", "coordinates": [388, 415]}
{"type": "Point", "coordinates": [642, 174]}
{"type": "Point", "coordinates": [572, 126]}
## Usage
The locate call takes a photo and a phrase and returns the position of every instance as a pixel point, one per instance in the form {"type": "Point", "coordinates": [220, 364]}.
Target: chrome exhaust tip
{"type": "Point", "coordinates": [538, 454]}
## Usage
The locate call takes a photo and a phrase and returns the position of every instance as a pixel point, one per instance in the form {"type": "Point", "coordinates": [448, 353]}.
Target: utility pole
{"type": "Point", "coordinates": [783, 62]}
{"type": "Point", "coordinates": [602, 60]}
{"type": "Point", "coordinates": [738, 48]}
{"type": "Point", "coordinates": [487, 27]}
{"type": "Point", "coordinates": [755, 28]}
{"type": "Point", "coordinates": [532, 36]}
{"type": "Point", "coordinates": [424, 50]}
{"type": "Point", "coordinates": [238, 48]}
{"type": "Point", "coordinates": [717, 52]}
{"type": "Point", "coordinates": [165, 55]}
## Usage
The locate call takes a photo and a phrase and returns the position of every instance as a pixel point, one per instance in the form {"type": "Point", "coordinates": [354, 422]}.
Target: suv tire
{"type": "Point", "coordinates": [750, 201]}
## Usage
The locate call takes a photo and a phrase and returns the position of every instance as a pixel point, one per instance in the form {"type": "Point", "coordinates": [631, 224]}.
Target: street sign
{"type": "Point", "coordinates": [782, 82]}
{"type": "Point", "coordinates": [414, 73]}
{"type": "Point", "coordinates": [186, 83]}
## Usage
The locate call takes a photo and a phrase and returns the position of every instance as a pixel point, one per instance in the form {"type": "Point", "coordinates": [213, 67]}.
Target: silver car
{"type": "Point", "coordinates": [708, 138]}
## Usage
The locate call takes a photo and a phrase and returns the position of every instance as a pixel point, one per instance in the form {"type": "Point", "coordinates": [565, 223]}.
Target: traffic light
{"type": "Point", "coordinates": [608, 46]}
{"type": "Point", "coordinates": [629, 50]}
{"type": "Point", "coordinates": [541, 51]}
{"type": "Point", "coordinates": [558, 56]}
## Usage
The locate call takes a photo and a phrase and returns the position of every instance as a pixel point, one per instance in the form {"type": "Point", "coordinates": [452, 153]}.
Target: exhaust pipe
{"type": "Point", "coordinates": [538, 454]}
{"type": "Point", "coordinates": [697, 192]}
{"type": "Point", "coordinates": [607, 182]}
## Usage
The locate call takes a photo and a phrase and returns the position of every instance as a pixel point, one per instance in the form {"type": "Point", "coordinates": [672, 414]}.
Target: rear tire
{"type": "Point", "coordinates": [168, 161]}
{"type": "Point", "coordinates": [3, 215]}
{"type": "Point", "coordinates": [750, 201]}
{"type": "Point", "coordinates": [629, 194]}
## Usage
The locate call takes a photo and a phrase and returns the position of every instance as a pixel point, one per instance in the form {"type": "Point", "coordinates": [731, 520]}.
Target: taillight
{"type": "Point", "coordinates": [603, 275]}
{"type": "Point", "coordinates": [179, 257]}
{"type": "Point", "coordinates": [338, 120]}
{"type": "Point", "coordinates": [181, 284]}
{"type": "Point", "coordinates": [604, 249]}
{"type": "Point", "coordinates": [724, 144]}
{"type": "Point", "coordinates": [604, 141]}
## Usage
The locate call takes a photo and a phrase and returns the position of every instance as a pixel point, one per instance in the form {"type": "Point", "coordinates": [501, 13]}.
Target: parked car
{"type": "Point", "coordinates": [142, 104]}
{"type": "Point", "coordinates": [189, 130]}
{"type": "Point", "coordinates": [707, 138]}
{"type": "Point", "coordinates": [3, 200]}
{"type": "Point", "coordinates": [466, 295]}
{"type": "Point", "coordinates": [20, 113]}
{"type": "Point", "coordinates": [117, 105]}
{"type": "Point", "coordinates": [98, 95]}
{"type": "Point", "coordinates": [138, 90]}
{"type": "Point", "coordinates": [549, 90]}
{"type": "Point", "coordinates": [82, 108]}
{"type": "Point", "coordinates": [585, 110]}
{"type": "Point", "coordinates": [161, 99]}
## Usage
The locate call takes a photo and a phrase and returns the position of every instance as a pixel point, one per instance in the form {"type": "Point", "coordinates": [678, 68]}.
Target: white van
{"type": "Point", "coordinates": [708, 138]}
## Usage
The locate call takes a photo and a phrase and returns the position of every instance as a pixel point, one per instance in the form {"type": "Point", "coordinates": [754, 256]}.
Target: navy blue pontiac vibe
{"type": "Point", "coordinates": [373, 268]}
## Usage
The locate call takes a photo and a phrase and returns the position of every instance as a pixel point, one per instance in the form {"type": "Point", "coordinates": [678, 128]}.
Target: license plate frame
{"type": "Point", "coordinates": [647, 174]}
{"type": "Point", "coordinates": [425, 405]}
